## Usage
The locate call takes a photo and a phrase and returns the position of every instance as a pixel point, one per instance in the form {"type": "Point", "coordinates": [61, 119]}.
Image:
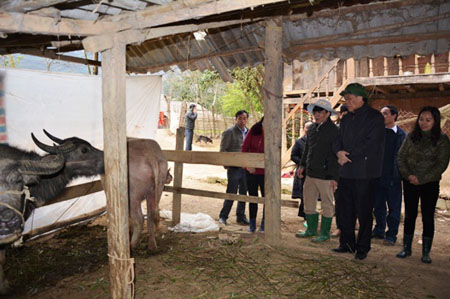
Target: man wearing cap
{"type": "Point", "coordinates": [359, 148]}
{"type": "Point", "coordinates": [319, 165]}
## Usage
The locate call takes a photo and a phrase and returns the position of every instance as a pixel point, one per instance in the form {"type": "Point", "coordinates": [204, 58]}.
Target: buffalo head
{"type": "Point", "coordinates": [15, 175]}
{"type": "Point", "coordinates": [81, 158]}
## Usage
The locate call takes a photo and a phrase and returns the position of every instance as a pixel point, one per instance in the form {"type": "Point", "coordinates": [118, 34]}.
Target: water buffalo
{"type": "Point", "coordinates": [14, 195]}
{"type": "Point", "coordinates": [147, 174]}
{"type": "Point", "coordinates": [77, 158]}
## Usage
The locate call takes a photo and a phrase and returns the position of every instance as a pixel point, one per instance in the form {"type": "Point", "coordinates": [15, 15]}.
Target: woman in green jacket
{"type": "Point", "coordinates": [422, 159]}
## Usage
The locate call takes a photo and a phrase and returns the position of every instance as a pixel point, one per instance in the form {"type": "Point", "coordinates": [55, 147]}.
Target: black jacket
{"type": "Point", "coordinates": [318, 159]}
{"type": "Point", "coordinates": [361, 133]}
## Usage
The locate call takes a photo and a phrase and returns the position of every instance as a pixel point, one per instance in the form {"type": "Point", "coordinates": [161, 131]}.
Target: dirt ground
{"type": "Point", "coordinates": [231, 263]}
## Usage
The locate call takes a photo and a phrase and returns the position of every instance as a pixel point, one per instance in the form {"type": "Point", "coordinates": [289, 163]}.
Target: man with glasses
{"type": "Point", "coordinates": [319, 165]}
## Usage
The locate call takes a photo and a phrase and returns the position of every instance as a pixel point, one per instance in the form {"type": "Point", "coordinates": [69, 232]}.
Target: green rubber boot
{"type": "Point", "coordinates": [311, 231]}
{"type": "Point", "coordinates": [325, 227]}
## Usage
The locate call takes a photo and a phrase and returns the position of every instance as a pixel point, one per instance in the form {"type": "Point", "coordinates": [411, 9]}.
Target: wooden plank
{"type": "Point", "coordinates": [230, 196]}
{"type": "Point", "coordinates": [291, 51]}
{"type": "Point", "coordinates": [403, 80]}
{"type": "Point", "coordinates": [116, 169]}
{"type": "Point", "coordinates": [216, 158]}
{"type": "Point", "coordinates": [103, 42]}
{"type": "Point", "coordinates": [178, 178]}
{"type": "Point", "coordinates": [273, 101]}
{"type": "Point", "coordinates": [21, 23]}
{"type": "Point", "coordinates": [77, 191]}
{"type": "Point", "coordinates": [182, 10]}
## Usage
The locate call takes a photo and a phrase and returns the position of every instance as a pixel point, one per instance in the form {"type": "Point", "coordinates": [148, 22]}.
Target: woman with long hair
{"type": "Point", "coordinates": [422, 159]}
{"type": "Point", "coordinates": [254, 143]}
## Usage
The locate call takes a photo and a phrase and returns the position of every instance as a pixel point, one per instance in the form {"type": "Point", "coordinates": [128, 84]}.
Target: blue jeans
{"type": "Point", "coordinates": [389, 192]}
{"type": "Point", "coordinates": [189, 135]}
{"type": "Point", "coordinates": [236, 181]}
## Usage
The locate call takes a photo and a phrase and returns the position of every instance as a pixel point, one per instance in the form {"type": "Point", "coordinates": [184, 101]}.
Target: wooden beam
{"type": "Point", "coordinates": [116, 169]}
{"type": "Point", "coordinates": [157, 67]}
{"type": "Point", "coordinates": [103, 42]}
{"type": "Point", "coordinates": [416, 21]}
{"type": "Point", "coordinates": [216, 158]}
{"type": "Point", "coordinates": [26, 23]}
{"type": "Point", "coordinates": [178, 177]}
{"type": "Point", "coordinates": [230, 196]}
{"type": "Point", "coordinates": [273, 104]}
{"type": "Point", "coordinates": [77, 191]}
{"type": "Point", "coordinates": [182, 10]}
{"type": "Point", "coordinates": [290, 52]}
{"type": "Point", "coordinates": [29, 5]}
{"type": "Point", "coordinates": [54, 55]}
{"type": "Point", "coordinates": [403, 80]}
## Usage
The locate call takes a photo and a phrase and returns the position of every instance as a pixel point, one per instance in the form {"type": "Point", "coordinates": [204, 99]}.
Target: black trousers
{"type": "Point", "coordinates": [237, 181]}
{"type": "Point", "coordinates": [253, 182]}
{"type": "Point", "coordinates": [428, 194]}
{"type": "Point", "coordinates": [356, 198]}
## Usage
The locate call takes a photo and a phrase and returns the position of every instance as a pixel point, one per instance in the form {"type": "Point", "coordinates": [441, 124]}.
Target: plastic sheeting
{"type": "Point", "coordinates": [69, 105]}
{"type": "Point", "coordinates": [192, 223]}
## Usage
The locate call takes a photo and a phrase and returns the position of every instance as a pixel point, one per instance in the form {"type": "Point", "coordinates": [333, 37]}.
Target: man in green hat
{"type": "Point", "coordinates": [359, 149]}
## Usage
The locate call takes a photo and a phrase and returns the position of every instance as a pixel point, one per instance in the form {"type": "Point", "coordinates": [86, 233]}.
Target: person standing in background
{"type": "Point", "coordinates": [231, 141]}
{"type": "Point", "coordinates": [389, 189]}
{"type": "Point", "coordinates": [254, 143]}
{"type": "Point", "coordinates": [189, 124]}
{"type": "Point", "coordinates": [422, 159]}
{"type": "Point", "coordinates": [296, 155]}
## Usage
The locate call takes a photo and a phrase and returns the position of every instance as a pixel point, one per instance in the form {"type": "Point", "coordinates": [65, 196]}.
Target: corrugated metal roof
{"type": "Point", "coordinates": [377, 28]}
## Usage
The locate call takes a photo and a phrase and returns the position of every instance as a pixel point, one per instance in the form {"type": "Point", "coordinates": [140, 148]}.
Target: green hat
{"type": "Point", "coordinates": [356, 89]}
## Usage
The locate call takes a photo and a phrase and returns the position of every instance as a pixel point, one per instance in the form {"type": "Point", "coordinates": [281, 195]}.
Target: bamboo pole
{"type": "Point", "coordinates": [273, 103]}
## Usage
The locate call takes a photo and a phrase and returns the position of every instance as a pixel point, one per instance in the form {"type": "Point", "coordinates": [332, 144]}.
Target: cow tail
{"type": "Point", "coordinates": [156, 172]}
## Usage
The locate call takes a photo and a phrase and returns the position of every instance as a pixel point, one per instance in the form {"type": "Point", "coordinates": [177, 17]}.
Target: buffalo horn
{"type": "Point", "coordinates": [53, 138]}
{"type": "Point", "coordinates": [44, 147]}
{"type": "Point", "coordinates": [65, 146]}
{"type": "Point", "coordinates": [46, 166]}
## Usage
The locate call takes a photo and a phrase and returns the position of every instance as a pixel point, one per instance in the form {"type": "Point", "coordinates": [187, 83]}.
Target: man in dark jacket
{"type": "Point", "coordinates": [296, 155]}
{"type": "Point", "coordinates": [359, 148]}
{"type": "Point", "coordinates": [389, 189]}
{"type": "Point", "coordinates": [319, 165]}
{"type": "Point", "coordinates": [231, 141]}
{"type": "Point", "coordinates": [189, 124]}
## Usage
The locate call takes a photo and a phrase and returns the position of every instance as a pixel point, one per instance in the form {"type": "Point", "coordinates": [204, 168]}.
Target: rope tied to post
{"type": "Point", "coordinates": [130, 270]}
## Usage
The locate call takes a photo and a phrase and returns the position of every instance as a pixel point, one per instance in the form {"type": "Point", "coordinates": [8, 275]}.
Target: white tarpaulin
{"type": "Point", "coordinates": [69, 105]}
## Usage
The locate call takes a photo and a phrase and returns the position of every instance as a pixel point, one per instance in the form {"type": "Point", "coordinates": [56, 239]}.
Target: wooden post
{"type": "Point", "coordinates": [177, 179]}
{"type": "Point", "coordinates": [370, 67]}
{"type": "Point", "coordinates": [400, 66]}
{"type": "Point", "coordinates": [433, 64]}
{"type": "Point", "coordinates": [416, 64]}
{"type": "Point", "coordinates": [273, 103]}
{"type": "Point", "coordinates": [351, 72]}
{"type": "Point", "coordinates": [385, 67]}
{"type": "Point", "coordinates": [116, 181]}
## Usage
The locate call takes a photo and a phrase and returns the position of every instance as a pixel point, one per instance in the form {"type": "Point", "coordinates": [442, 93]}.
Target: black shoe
{"type": "Point", "coordinates": [341, 249]}
{"type": "Point", "coordinates": [222, 221]}
{"type": "Point", "coordinates": [243, 221]}
{"type": "Point", "coordinates": [360, 255]}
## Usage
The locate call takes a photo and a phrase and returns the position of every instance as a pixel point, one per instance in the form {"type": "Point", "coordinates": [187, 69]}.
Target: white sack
{"type": "Point", "coordinates": [196, 223]}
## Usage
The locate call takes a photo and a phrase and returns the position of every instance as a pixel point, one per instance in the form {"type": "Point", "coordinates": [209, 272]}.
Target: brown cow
{"type": "Point", "coordinates": [147, 174]}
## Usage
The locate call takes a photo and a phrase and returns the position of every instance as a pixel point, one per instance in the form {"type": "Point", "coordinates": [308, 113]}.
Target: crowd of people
{"type": "Point", "coordinates": [357, 168]}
